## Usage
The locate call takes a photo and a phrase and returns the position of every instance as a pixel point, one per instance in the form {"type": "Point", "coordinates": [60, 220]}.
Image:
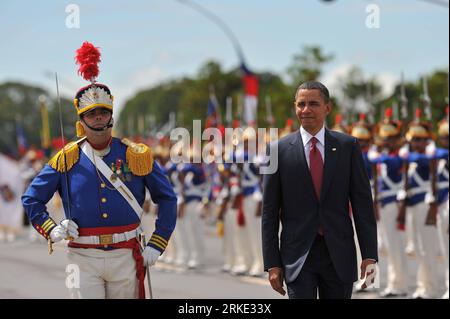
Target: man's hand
{"type": "Point", "coordinates": [431, 219]}
{"type": "Point", "coordinates": [180, 212]}
{"type": "Point", "coordinates": [376, 210]}
{"type": "Point", "coordinates": [368, 271]}
{"type": "Point", "coordinates": [276, 280]}
{"type": "Point", "coordinates": [150, 255]}
{"type": "Point", "coordinates": [67, 228]}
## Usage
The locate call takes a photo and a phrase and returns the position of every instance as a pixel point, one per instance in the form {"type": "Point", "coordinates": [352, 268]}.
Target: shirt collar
{"type": "Point", "coordinates": [306, 136]}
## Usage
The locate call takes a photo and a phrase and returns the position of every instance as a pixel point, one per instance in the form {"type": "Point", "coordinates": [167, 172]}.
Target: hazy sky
{"type": "Point", "coordinates": [146, 42]}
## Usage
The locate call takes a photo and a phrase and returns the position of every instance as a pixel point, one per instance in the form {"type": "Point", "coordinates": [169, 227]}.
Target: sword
{"type": "Point", "coordinates": [68, 215]}
{"type": "Point", "coordinates": [143, 244]}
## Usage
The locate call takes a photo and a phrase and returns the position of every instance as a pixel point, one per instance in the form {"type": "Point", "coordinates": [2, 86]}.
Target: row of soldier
{"type": "Point", "coordinates": [411, 209]}
{"type": "Point", "coordinates": [408, 170]}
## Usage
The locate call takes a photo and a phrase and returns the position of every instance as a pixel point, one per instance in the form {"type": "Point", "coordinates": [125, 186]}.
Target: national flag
{"type": "Point", "coordinates": [22, 144]}
{"type": "Point", "coordinates": [213, 117]}
{"type": "Point", "coordinates": [250, 83]}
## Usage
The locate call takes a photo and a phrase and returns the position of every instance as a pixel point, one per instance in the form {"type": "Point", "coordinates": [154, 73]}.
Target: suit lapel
{"type": "Point", "coordinates": [332, 150]}
{"type": "Point", "coordinates": [299, 151]}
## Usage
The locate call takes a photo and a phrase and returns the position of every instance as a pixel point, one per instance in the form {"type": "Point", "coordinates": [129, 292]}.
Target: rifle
{"type": "Point", "coordinates": [401, 216]}
{"type": "Point", "coordinates": [431, 218]}
{"type": "Point", "coordinates": [375, 191]}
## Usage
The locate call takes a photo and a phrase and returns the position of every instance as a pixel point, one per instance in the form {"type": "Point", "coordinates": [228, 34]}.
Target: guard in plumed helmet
{"type": "Point", "coordinates": [194, 191]}
{"type": "Point", "coordinates": [389, 165]}
{"type": "Point", "coordinates": [102, 182]}
{"type": "Point", "coordinates": [363, 132]}
{"type": "Point", "coordinates": [440, 159]}
{"type": "Point", "coordinates": [250, 181]}
{"type": "Point", "coordinates": [418, 200]}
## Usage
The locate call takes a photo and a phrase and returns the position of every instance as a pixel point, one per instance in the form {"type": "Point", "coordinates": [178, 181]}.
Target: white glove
{"type": "Point", "coordinates": [65, 229]}
{"type": "Point", "coordinates": [150, 255]}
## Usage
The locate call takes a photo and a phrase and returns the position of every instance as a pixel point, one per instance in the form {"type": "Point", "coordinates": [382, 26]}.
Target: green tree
{"type": "Point", "coordinates": [19, 104]}
{"type": "Point", "coordinates": [307, 65]}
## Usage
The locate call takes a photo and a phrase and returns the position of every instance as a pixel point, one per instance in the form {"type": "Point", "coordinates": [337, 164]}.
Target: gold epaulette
{"type": "Point", "coordinates": [71, 154]}
{"type": "Point", "coordinates": [139, 158]}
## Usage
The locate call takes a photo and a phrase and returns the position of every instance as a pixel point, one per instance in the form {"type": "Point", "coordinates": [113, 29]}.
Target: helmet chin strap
{"type": "Point", "coordinates": [100, 129]}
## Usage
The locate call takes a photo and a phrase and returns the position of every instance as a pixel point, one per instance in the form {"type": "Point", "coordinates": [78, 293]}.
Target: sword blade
{"type": "Point", "coordinates": [66, 177]}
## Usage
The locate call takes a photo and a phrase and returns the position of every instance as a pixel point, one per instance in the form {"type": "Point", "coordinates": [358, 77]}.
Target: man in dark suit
{"type": "Point", "coordinates": [320, 175]}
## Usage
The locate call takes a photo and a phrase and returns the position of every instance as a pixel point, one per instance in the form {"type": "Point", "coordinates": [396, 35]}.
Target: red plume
{"type": "Point", "coordinates": [418, 114]}
{"type": "Point", "coordinates": [289, 122]}
{"type": "Point", "coordinates": [338, 119]}
{"type": "Point", "coordinates": [88, 57]}
{"type": "Point", "coordinates": [388, 113]}
{"type": "Point", "coordinates": [362, 117]}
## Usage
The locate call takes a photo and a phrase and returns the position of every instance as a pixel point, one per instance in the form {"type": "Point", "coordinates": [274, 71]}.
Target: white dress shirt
{"type": "Point", "coordinates": [306, 137]}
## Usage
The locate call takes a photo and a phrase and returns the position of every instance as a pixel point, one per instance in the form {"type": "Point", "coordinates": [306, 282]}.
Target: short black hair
{"type": "Point", "coordinates": [314, 85]}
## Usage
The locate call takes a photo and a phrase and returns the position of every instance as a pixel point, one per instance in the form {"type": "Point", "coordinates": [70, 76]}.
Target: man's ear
{"type": "Point", "coordinates": [329, 106]}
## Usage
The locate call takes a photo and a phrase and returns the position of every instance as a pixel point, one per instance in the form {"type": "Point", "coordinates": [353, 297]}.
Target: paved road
{"type": "Point", "coordinates": [27, 271]}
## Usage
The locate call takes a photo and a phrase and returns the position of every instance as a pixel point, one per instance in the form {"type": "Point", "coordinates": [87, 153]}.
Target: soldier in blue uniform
{"type": "Point", "coordinates": [441, 157]}
{"type": "Point", "coordinates": [390, 175]}
{"type": "Point", "coordinates": [250, 181]}
{"type": "Point", "coordinates": [102, 182]}
{"type": "Point", "coordinates": [195, 191]}
{"type": "Point", "coordinates": [425, 235]}
{"type": "Point", "coordinates": [363, 132]}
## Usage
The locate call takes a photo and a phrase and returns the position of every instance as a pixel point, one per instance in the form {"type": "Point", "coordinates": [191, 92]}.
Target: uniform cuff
{"type": "Point", "coordinates": [158, 242]}
{"type": "Point", "coordinates": [45, 227]}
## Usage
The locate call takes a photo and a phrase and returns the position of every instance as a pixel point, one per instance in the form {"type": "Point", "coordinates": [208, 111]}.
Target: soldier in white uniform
{"type": "Point", "coordinates": [11, 186]}
{"type": "Point", "coordinates": [390, 177]}
{"type": "Point", "coordinates": [441, 157]}
{"type": "Point", "coordinates": [195, 190]}
{"type": "Point", "coordinates": [425, 236]}
{"type": "Point", "coordinates": [251, 190]}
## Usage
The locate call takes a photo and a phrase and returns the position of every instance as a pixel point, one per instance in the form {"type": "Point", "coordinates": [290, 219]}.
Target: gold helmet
{"type": "Point", "coordinates": [443, 125]}
{"type": "Point", "coordinates": [417, 128]}
{"type": "Point", "coordinates": [361, 130]}
{"type": "Point", "coordinates": [94, 95]}
{"type": "Point", "coordinates": [388, 127]}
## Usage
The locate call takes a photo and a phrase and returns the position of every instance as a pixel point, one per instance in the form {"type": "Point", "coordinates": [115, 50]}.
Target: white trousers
{"type": "Point", "coordinates": [241, 242]}
{"type": "Point", "coordinates": [228, 238]}
{"type": "Point", "coordinates": [253, 224]}
{"type": "Point", "coordinates": [426, 243]}
{"type": "Point", "coordinates": [194, 232]}
{"type": "Point", "coordinates": [98, 274]}
{"type": "Point", "coordinates": [443, 219]}
{"type": "Point", "coordinates": [395, 242]}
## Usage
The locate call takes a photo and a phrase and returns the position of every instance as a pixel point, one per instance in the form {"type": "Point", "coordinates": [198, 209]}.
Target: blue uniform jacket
{"type": "Point", "coordinates": [95, 202]}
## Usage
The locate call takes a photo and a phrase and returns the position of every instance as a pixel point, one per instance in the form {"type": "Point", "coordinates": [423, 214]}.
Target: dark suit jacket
{"type": "Point", "coordinates": [289, 197]}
